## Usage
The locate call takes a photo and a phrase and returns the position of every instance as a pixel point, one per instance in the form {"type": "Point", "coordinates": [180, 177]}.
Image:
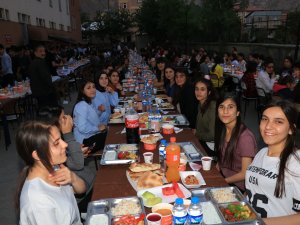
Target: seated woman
{"type": "Point", "coordinates": [249, 80]}
{"type": "Point", "coordinates": [205, 125]}
{"type": "Point", "coordinates": [170, 82]}
{"type": "Point", "coordinates": [160, 76]}
{"type": "Point", "coordinates": [266, 78]}
{"type": "Point", "coordinates": [273, 178]}
{"type": "Point", "coordinates": [105, 98]}
{"type": "Point", "coordinates": [235, 143]}
{"type": "Point", "coordinates": [287, 67]}
{"type": "Point", "coordinates": [88, 128]}
{"type": "Point", "coordinates": [184, 98]}
{"type": "Point", "coordinates": [114, 82]}
{"type": "Point", "coordinates": [217, 73]}
{"type": "Point", "coordinates": [284, 87]}
{"type": "Point", "coordinates": [46, 188]}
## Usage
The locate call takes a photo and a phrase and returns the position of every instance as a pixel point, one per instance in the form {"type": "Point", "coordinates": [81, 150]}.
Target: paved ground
{"type": "Point", "coordinates": [10, 165]}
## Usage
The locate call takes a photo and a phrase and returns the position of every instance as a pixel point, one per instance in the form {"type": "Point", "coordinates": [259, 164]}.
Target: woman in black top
{"type": "Point", "coordinates": [184, 98]}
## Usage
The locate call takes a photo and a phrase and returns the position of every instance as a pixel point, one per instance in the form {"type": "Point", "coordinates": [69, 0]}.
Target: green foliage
{"type": "Point", "coordinates": [114, 24]}
{"type": "Point", "coordinates": [182, 20]}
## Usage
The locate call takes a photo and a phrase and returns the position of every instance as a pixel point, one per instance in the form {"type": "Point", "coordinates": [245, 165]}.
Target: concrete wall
{"type": "Point", "coordinates": [39, 9]}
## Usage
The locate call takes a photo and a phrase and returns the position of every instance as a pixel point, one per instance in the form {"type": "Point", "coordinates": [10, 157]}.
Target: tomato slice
{"type": "Point", "coordinates": [168, 191]}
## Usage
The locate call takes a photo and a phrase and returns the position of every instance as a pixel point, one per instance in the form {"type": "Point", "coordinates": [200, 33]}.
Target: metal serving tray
{"type": "Point", "coordinates": [206, 197]}
{"type": "Point", "coordinates": [110, 154]}
{"type": "Point", "coordinates": [178, 120]}
{"type": "Point", "coordinates": [193, 154]}
{"type": "Point", "coordinates": [235, 194]}
{"type": "Point", "coordinates": [104, 207]}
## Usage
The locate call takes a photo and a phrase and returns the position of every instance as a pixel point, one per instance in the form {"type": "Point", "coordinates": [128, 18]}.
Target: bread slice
{"type": "Point", "coordinates": [142, 167]}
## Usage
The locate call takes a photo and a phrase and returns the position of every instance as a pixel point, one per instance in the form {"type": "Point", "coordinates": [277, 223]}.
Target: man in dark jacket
{"type": "Point", "coordinates": [40, 79]}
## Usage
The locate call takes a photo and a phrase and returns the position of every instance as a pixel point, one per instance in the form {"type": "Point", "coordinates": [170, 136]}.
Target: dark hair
{"type": "Point", "coordinates": [290, 148]}
{"type": "Point", "coordinates": [289, 58]}
{"type": "Point", "coordinates": [98, 86]}
{"type": "Point", "coordinates": [297, 65]}
{"type": "Point", "coordinates": [37, 47]}
{"type": "Point", "coordinates": [111, 72]}
{"type": "Point", "coordinates": [235, 134]}
{"type": "Point", "coordinates": [50, 114]}
{"type": "Point", "coordinates": [167, 81]}
{"type": "Point", "coordinates": [251, 67]}
{"type": "Point", "coordinates": [210, 93]}
{"type": "Point", "coordinates": [289, 79]}
{"type": "Point", "coordinates": [1, 46]}
{"type": "Point", "coordinates": [81, 96]}
{"type": "Point", "coordinates": [268, 61]}
{"type": "Point", "coordinates": [32, 136]}
{"type": "Point", "coordinates": [178, 89]}
{"type": "Point", "coordinates": [217, 60]}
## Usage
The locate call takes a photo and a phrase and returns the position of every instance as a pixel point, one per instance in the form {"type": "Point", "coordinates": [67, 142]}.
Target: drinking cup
{"type": "Point", "coordinates": [153, 219]}
{"type": "Point", "coordinates": [206, 162]}
{"type": "Point", "coordinates": [148, 157]}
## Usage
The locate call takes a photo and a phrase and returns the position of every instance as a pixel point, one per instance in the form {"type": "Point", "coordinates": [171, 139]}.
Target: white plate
{"type": "Point", "coordinates": [184, 174]}
{"type": "Point", "coordinates": [165, 199]}
{"type": "Point", "coordinates": [155, 134]}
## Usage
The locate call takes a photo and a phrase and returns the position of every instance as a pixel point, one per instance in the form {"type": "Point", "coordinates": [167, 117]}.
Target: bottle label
{"type": "Point", "coordinates": [179, 220]}
{"type": "Point", "coordinates": [195, 219]}
{"type": "Point", "coordinates": [131, 123]}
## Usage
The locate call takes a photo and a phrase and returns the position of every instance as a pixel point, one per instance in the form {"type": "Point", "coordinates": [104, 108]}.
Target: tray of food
{"type": "Point", "coordinates": [143, 175]}
{"type": "Point", "coordinates": [163, 194]}
{"type": "Point", "coordinates": [193, 154]}
{"type": "Point", "coordinates": [178, 120]}
{"type": "Point", "coordinates": [116, 118]}
{"type": "Point", "coordinates": [166, 106]}
{"type": "Point", "coordinates": [119, 154]}
{"type": "Point", "coordinates": [116, 211]}
{"type": "Point", "coordinates": [234, 209]}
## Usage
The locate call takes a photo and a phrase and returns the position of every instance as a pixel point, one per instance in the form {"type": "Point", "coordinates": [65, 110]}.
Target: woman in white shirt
{"type": "Point", "coordinates": [266, 78]}
{"type": "Point", "coordinates": [46, 190]}
{"type": "Point", "coordinates": [273, 178]}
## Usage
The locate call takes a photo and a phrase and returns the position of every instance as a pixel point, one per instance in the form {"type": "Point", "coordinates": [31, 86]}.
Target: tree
{"type": "Point", "coordinates": [114, 24]}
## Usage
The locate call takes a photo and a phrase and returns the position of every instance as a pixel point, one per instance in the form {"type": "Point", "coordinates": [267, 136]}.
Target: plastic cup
{"type": "Point", "coordinates": [155, 91]}
{"type": "Point", "coordinates": [206, 162]}
{"type": "Point", "coordinates": [158, 101]}
{"type": "Point", "coordinates": [153, 219]}
{"type": "Point", "coordinates": [130, 103]}
{"type": "Point", "coordinates": [123, 111]}
{"type": "Point", "coordinates": [148, 157]}
{"type": "Point", "coordinates": [117, 110]}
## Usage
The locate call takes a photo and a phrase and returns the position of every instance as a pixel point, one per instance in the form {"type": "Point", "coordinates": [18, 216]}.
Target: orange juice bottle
{"type": "Point", "coordinates": [172, 160]}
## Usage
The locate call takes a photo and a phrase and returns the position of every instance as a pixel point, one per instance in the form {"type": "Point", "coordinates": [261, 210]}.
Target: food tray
{"type": "Point", "coordinates": [178, 120]}
{"type": "Point", "coordinates": [165, 199]}
{"type": "Point", "coordinates": [117, 121]}
{"type": "Point", "coordinates": [166, 106]}
{"type": "Point", "coordinates": [193, 154]}
{"type": "Point", "coordinates": [205, 198]}
{"type": "Point", "coordinates": [104, 207]}
{"type": "Point", "coordinates": [110, 154]}
{"type": "Point", "coordinates": [236, 194]}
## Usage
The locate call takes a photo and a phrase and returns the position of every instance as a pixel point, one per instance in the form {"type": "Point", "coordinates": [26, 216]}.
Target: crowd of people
{"type": "Point", "coordinates": [192, 83]}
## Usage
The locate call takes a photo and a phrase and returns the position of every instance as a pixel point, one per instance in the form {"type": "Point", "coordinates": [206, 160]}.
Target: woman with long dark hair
{"type": "Point", "coordinates": [105, 98]}
{"type": "Point", "coordinates": [273, 178]}
{"type": "Point", "coordinates": [114, 82]}
{"type": "Point", "coordinates": [235, 143]}
{"type": "Point", "coordinates": [170, 82]}
{"type": "Point", "coordinates": [184, 98]}
{"type": "Point", "coordinates": [88, 128]}
{"type": "Point", "coordinates": [205, 126]}
{"type": "Point", "coordinates": [45, 194]}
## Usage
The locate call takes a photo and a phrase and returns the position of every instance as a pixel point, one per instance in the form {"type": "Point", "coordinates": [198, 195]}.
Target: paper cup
{"type": "Point", "coordinates": [182, 165]}
{"type": "Point", "coordinates": [158, 101]}
{"type": "Point", "coordinates": [165, 209]}
{"type": "Point", "coordinates": [148, 157]}
{"type": "Point", "coordinates": [168, 128]}
{"type": "Point", "coordinates": [153, 219]}
{"type": "Point", "coordinates": [206, 162]}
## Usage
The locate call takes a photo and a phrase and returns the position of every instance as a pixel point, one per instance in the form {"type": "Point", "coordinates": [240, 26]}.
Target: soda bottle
{"type": "Point", "coordinates": [132, 126]}
{"type": "Point", "coordinates": [179, 212]}
{"type": "Point", "coordinates": [172, 160]}
{"type": "Point", "coordinates": [195, 213]}
{"type": "Point", "coordinates": [162, 153]}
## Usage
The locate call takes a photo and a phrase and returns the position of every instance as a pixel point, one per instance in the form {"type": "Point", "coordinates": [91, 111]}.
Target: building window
{"type": "Point", "coordinates": [23, 18]}
{"type": "Point", "coordinates": [68, 6]}
{"type": "Point", "coordinates": [52, 25]}
{"type": "Point", "coordinates": [51, 3]}
{"type": "Point", "coordinates": [59, 5]}
{"type": "Point", "coordinates": [123, 5]}
{"type": "Point", "coordinates": [4, 14]}
{"type": "Point", "coordinates": [61, 26]}
{"type": "Point", "coordinates": [40, 22]}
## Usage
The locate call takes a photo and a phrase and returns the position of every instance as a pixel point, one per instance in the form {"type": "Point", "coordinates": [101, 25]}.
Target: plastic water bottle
{"type": "Point", "coordinates": [162, 153]}
{"type": "Point", "coordinates": [179, 212]}
{"type": "Point", "coordinates": [195, 213]}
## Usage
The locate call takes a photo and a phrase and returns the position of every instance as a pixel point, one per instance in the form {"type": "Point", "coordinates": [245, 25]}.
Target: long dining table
{"type": "Point", "coordinates": [111, 180]}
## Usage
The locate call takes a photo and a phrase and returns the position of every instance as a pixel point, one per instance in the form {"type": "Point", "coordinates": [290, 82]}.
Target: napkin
{"type": "Point", "coordinates": [177, 130]}
{"type": "Point", "coordinates": [123, 131]}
